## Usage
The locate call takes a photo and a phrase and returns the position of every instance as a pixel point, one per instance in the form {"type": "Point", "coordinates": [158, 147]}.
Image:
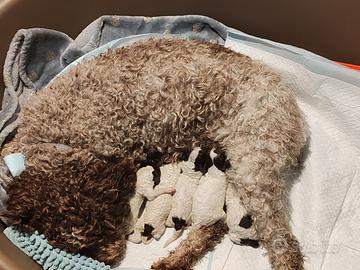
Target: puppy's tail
{"type": "Point", "coordinates": [176, 235]}
{"type": "Point", "coordinates": [193, 248]}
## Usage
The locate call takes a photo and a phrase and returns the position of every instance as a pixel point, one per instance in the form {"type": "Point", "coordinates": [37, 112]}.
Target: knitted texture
{"type": "Point", "coordinates": [36, 246]}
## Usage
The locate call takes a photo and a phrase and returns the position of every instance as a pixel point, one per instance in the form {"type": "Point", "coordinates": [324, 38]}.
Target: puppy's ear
{"type": "Point", "coordinates": [153, 157]}
{"type": "Point", "coordinates": [156, 175]}
{"type": "Point", "coordinates": [203, 161]}
{"type": "Point", "coordinates": [246, 222]}
{"type": "Point", "coordinates": [221, 162]}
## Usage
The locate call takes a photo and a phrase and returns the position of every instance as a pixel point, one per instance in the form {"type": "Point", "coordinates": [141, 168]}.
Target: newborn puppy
{"type": "Point", "coordinates": [209, 198]}
{"type": "Point", "coordinates": [182, 200]}
{"type": "Point", "coordinates": [146, 179]}
{"type": "Point", "coordinates": [241, 231]}
{"type": "Point", "coordinates": [157, 210]}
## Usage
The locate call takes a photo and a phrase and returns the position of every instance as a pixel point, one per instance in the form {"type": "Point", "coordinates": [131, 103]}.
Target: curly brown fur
{"type": "Point", "coordinates": [81, 206]}
{"type": "Point", "coordinates": [171, 95]}
{"type": "Point", "coordinates": [193, 248]}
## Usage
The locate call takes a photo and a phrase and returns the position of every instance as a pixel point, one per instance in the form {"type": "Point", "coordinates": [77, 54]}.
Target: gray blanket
{"type": "Point", "coordinates": [36, 55]}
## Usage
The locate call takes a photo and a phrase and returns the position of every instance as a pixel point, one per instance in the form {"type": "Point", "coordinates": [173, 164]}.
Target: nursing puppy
{"type": "Point", "coordinates": [241, 231]}
{"type": "Point", "coordinates": [145, 183]}
{"type": "Point", "coordinates": [157, 210]}
{"type": "Point", "coordinates": [209, 197]}
{"type": "Point", "coordinates": [169, 94]}
{"type": "Point", "coordinates": [180, 214]}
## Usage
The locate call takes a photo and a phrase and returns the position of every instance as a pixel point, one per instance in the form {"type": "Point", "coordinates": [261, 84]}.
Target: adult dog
{"type": "Point", "coordinates": [156, 96]}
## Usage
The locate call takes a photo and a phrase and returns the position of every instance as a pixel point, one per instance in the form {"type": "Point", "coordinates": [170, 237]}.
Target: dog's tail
{"type": "Point", "coordinates": [176, 235]}
{"type": "Point", "coordinates": [193, 248]}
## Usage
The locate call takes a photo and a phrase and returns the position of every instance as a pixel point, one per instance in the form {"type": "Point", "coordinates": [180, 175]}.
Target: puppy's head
{"type": "Point", "coordinates": [203, 161]}
{"type": "Point", "coordinates": [220, 161]}
{"type": "Point", "coordinates": [153, 157]}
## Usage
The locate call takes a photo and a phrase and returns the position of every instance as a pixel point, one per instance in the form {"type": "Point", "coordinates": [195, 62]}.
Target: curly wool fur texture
{"type": "Point", "coordinates": [193, 248]}
{"type": "Point", "coordinates": [167, 95]}
{"type": "Point", "coordinates": [81, 205]}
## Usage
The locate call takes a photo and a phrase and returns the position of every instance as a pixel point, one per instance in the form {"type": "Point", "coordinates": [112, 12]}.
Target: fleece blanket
{"type": "Point", "coordinates": [324, 198]}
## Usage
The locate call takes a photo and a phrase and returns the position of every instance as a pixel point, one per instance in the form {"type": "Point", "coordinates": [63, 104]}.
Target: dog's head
{"type": "Point", "coordinates": [77, 200]}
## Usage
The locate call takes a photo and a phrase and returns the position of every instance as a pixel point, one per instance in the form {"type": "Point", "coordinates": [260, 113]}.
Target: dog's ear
{"type": "Point", "coordinates": [221, 162]}
{"type": "Point", "coordinates": [203, 161]}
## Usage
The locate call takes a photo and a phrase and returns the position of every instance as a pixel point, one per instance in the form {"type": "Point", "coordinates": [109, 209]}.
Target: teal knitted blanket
{"type": "Point", "coordinates": [50, 258]}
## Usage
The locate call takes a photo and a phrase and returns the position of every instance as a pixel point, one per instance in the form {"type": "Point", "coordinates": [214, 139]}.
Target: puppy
{"type": "Point", "coordinates": [188, 181]}
{"type": "Point", "coordinates": [146, 179]}
{"type": "Point", "coordinates": [157, 210]}
{"type": "Point", "coordinates": [241, 231]}
{"type": "Point", "coordinates": [209, 198]}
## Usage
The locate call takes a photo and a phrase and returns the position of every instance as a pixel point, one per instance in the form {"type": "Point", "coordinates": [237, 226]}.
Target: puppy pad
{"type": "Point", "coordinates": [325, 198]}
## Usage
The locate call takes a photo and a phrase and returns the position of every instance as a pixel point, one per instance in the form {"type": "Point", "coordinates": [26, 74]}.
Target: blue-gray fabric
{"type": "Point", "coordinates": [36, 55]}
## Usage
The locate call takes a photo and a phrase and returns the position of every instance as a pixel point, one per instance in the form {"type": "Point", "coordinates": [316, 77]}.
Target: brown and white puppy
{"type": "Point", "coordinates": [157, 210]}
{"type": "Point", "coordinates": [209, 197]}
{"type": "Point", "coordinates": [180, 214]}
{"type": "Point", "coordinates": [240, 223]}
{"type": "Point", "coordinates": [145, 190]}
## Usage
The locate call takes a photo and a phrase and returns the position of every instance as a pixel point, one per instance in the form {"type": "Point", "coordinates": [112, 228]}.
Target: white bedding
{"type": "Point", "coordinates": [325, 199]}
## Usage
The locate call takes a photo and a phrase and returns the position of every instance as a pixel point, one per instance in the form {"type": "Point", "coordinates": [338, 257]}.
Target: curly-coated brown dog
{"type": "Point", "coordinates": [166, 95]}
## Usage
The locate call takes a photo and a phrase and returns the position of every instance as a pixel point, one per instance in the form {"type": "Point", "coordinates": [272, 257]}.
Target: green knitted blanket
{"type": "Point", "coordinates": [50, 258]}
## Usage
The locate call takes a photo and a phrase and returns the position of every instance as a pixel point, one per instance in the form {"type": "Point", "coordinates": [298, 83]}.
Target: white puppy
{"type": "Point", "coordinates": [157, 210]}
{"type": "Point", "coordinates": [180, 214]}
{"type": "Point", "coordinates": [241, 231]}
{"type": "Point", "coordinates": [209, 198]}
{"type": "Point", "coordinates": [145, 190]}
